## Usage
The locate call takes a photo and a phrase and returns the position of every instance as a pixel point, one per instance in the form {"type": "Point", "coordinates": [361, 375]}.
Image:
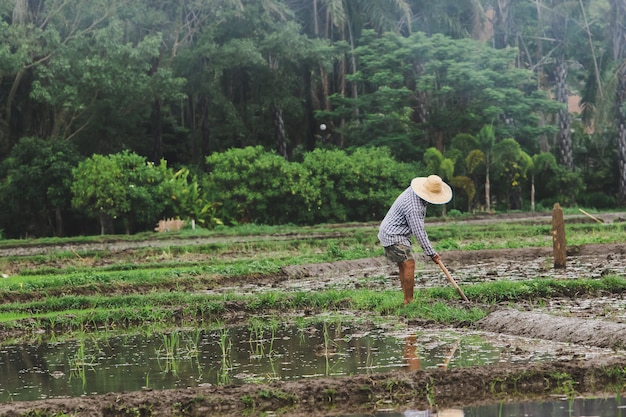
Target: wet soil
{"type": "Point", "coordinates": [589, 333]}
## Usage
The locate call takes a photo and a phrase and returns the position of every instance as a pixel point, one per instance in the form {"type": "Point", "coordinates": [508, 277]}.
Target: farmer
{"type": "Point", "coordinates": [405, 218]}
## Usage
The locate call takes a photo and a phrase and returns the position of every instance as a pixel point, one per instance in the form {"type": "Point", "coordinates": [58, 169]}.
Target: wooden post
{"type": "Point", "coordinates": [558, 237]}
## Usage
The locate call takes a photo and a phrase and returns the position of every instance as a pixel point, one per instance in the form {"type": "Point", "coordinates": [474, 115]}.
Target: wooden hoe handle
{"type": "Point", "coordinates": [452, 281]}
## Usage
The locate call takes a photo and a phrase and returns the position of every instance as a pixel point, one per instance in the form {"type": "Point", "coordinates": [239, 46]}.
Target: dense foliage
{"type": "Point", "coordinates": [117, 113]}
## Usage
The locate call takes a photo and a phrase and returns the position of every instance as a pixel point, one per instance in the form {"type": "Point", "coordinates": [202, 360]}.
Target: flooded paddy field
{"type": "Point", "coordinates": [259, 354]}
{"type": "Point", "coordinates": [562, 355]}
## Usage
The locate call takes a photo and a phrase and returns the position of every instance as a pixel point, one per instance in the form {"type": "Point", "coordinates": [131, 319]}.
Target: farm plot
{"type": "Point", "coordinates": [567, 326]}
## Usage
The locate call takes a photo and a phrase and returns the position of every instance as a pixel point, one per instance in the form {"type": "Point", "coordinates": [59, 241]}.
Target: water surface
{"type": "Point", "coordinates": [581, 407]}
{"type": "Point", "coordinates": [260, 352]}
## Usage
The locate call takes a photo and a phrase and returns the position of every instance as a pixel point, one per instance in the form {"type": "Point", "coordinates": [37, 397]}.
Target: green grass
{"type": "Point", "coordinates": [76, 313]}
{"type": "Point", "coordinates": [302, 245]}
{"type": "Point", "coordinates": [74, 291]}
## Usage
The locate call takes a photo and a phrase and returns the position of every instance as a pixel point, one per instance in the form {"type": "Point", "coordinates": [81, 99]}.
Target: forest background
{"type": "Point", "coordinates": [117, 113]}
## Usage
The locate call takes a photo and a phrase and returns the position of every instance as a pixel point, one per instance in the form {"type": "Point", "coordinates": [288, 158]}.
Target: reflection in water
{"type": "Point", "coordinates": [411, 356]}
{"type": "Point", "coordinates": [580, 407]}
{"type": "Point", "coordinates": [450, 355]}
{"type": "Point", "coordinates": [261, 352]}
{"type": "Point", "coordinates": [452, 412]}
{"type": "Point", "coordinates": [409, 353]}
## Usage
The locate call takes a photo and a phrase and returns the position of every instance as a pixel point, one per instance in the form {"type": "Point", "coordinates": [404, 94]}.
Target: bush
{"type": "Point", "coordinates": [119, 186]}
{"type": "Point", "coordinates": [357, 186]}
{"type": "Point", "coordinates": [257, 186]}
{"type": "Point", "coordinates": [597, 200]}
{"type": "Point", "coordinates": [328, 186]}
{"type": "Point", "coordinates": [454, 213]}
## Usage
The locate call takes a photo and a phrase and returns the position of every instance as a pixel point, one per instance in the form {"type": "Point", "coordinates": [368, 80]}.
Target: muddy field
{"type": "Point", "coordinates": [588, 336]}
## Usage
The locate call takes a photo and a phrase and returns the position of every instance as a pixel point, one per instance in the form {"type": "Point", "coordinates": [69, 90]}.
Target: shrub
{"type": "Point", "coordinates": [257, 186]}
{"type": "Point", "coordinates": [357, 186]}
{"type": "Point", "coordinates": [597, 200]}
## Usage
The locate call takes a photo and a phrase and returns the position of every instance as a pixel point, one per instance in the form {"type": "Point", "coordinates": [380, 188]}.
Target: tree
{"type": "Point", "coordinates": [562, 13]}
{"type": "Point", "coordinates": [35, 191]}
{"type": "Point", "coordinates": [543, 163]}
{"type": "Point", "coordinates": [95, 79]}
{"type": "Point", "coordinates": [437, 164]}
{"type": "Point", "coordinates": [511, 165]}
{"type": "Point", "coordinates": [35, 35]}
{"type": "Point", "coordinates": [254, 185]}
{"type": "Point", "coordinates": [118, 186]}
{"type": "Point", "coordinates": [425, 90]}
{"type": "Point", "coordinates": [618, 32]}
{"type": "Point", "coordinates": [289, 54]}
{"type": "Point", "coordinates": [457, 19]}
{"type": "Point", "coordinates": [186, 198]}
{"type": "Point", "coordinates": [357, 185]}
{"type": "Point", "coordinates": [486, 140]}
{"type": "Point", "coordinates": [180, 25]}
{"type": "Point", "coordinates": [341, 22]}
{"type": "Point", "coordinates": [381, 116]}
{"type": "Point", "coordinates": [467, 157]}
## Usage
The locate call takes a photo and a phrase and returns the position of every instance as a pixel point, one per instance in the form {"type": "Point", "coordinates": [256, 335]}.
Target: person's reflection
{"type": "Point", "coordinates": [409, 353]}
{"type": "Point", "coordinates": [450, 355]}
{"type": "Point", "coordinates": [451, 412]}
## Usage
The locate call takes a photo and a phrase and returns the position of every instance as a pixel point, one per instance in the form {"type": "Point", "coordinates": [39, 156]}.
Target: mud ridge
{"type": "Point", "coordinates": [536, 325]}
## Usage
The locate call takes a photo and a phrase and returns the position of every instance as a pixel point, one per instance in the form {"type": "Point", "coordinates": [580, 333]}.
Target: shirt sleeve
{"type": "Point", "coordinates": [415, 219]}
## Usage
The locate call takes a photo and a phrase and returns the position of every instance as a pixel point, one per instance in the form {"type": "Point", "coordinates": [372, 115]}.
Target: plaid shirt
{"type": "Point", "coordinates": [405, 218]}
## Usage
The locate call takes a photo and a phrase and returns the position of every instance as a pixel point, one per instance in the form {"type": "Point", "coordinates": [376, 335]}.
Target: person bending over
{"type": "Point", "coordinates": [406, 218]}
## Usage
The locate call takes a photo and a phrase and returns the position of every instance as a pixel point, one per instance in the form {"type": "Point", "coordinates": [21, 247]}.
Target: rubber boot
{"type": "Point", "coordinates": [407, 279]}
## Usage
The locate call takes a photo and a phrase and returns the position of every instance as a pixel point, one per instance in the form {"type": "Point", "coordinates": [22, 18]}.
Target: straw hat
{"type": "Point", "coordinates": [432, 189]}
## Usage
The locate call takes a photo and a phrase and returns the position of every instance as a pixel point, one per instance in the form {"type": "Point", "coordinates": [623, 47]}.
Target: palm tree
{"type": "Point", "coordinates": [540, 163]}
{"type": "Point", "coordinates": [487, 139]}
{"type": "Point", "coordinates": [618, 32]}
{"type": "Point", "coordinates": [467, 158]}
{"type": "Point", "coordinates": [560, 19]}
{"type": "Point", "coordinates": [511, 165]}
{"type": "Point", "coordinates": [457, 19]}
{"type": "Point", "coordinates": [437, 163]}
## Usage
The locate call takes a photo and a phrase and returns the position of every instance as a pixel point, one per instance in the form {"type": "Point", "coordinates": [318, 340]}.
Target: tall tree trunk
{"type": "Point", "coordinates": [316, 27]}
{"type": "Point", "coordinates": [353, 66]}
{"type": "Point", "coordinates": [439, 140]}
{"type": "Point", "coordinates": [157, 131]}
{"type": "Point", "coordinates": [421, 111]}
{"type": "Point", "coordinates": [487, 188]}
{"type": "Point", "coordinates": [325, 102]}
{"type": "Point", "coordinates": [544, 145]}
{"type": "Point", "coordinates": [204, 107]}
{"type": "Point", "coordinates": [59, 230]}
{"type": "Point", "coordinates": [501, 24]}
{"type": "Point", "coordinates": [620, 102]}
{"type": "Point", "coordinates": [20, 12]}
{"type": "Point", "coordinates": [532, 193]}
{"type": "Point", "coordinates": [309, 114]}
{"type": "Point", "coordinates": [566, 155]}
{"type": "Point", "coordinates": [279, 128]}
{"type": "Point", "coordinates": [106, 224]}
{"type": "Point", "coordinates": [618, 32]}
{"type": "Point", "coordinates": [20, 17]}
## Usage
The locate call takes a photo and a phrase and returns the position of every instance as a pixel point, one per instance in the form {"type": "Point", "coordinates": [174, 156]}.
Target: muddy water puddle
{"type": "Point", "coordinates": [260, 352]}
{"type": "Point", "coordinates": [578, 407]}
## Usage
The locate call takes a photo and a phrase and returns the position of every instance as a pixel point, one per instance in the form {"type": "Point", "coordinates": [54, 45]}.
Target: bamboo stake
{"type": "Point", "coordinates": [595, 218]}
